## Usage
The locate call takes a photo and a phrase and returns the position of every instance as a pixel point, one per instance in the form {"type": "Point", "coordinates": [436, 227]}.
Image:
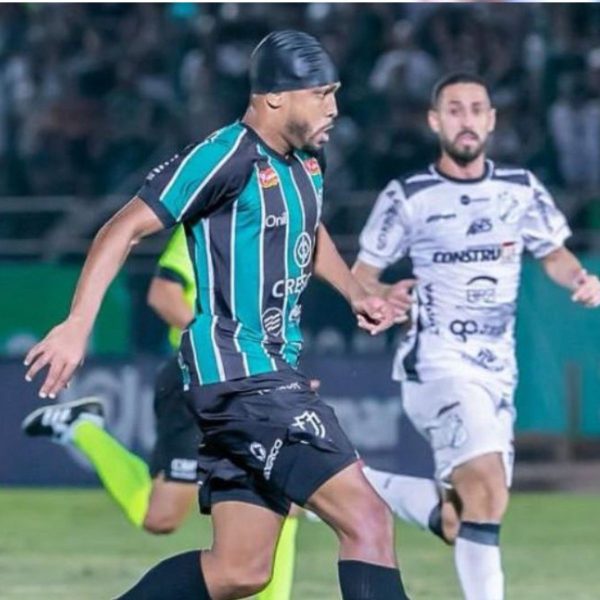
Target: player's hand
{"type": "Point", "coordinates": [373, 314]}
{"type": "Point", "coordinates": [315, 384]}
{"type": "Point", "coordinates": [587, 290]}
{"type": "Point", "coordinates": [399, 296]}
{"type": "Point", "coordinates": [62, 351]}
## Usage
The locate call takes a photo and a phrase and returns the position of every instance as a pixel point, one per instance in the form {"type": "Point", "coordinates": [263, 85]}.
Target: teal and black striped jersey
{"type": "Point", "coordinates": [250, 217]}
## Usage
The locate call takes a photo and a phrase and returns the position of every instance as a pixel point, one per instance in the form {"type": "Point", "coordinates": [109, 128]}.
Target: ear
{"type": "Point", "coordinates": [274, 100]}
{"type": "Point", "coordinates": [433, 119]}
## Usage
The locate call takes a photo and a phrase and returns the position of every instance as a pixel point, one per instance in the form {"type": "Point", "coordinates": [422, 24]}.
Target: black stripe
{"type": "Point", "coordinates": [170, 275]}
{"type": "Point", "coordinates": [191, 246]}
{"type": "Point", "coordinates": [410, 360]}
{"type": "Point", "coordinates": [220, 238]}
{"type": "Point", "coordinates": [308, 197]}
{"type": "Point", "coordinates": [487, 534]}
{"type": "Point", "coordinates": [276, 224]}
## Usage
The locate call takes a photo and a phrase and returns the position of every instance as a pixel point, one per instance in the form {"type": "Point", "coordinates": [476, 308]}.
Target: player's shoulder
{"type": "Point", "coordinates": [512, 174]}
{"type": "Point", "coordinates": [412, 183]}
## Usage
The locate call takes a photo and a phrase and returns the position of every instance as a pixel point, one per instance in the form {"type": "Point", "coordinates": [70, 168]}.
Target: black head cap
{"type": "Point", "coordinates": [290, 60]}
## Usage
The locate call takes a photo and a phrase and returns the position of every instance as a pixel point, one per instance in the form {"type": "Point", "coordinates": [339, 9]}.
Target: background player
{"type": "Point", "coordinates": [464, 222]}
{"type": "Point", "coordinates": [157, 496]}
{"type": "Point", "coordinates": [250, 197]}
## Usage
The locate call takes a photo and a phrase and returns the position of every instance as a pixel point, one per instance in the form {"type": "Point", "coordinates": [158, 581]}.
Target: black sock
{"type": "Point", "coordinates": [364, 581]}
{"type": "Point", "coordinates": [178, 577]}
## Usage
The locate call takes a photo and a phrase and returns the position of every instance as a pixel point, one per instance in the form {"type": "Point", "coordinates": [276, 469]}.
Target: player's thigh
{"type": "Point", "coordinates": [462, 420]}
{"type": "Point", "coordinates": [245, 534]}
{"type": "Point", "coordinates": [344, 497]}
{"type": "Point", "coordinates": [170, 502]}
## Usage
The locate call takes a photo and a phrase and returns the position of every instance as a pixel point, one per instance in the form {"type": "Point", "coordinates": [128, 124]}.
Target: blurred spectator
{"type": "Point", "coordinates": [91, 93]}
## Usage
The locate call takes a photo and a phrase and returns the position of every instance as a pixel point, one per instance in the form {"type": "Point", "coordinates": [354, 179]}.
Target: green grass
{"type": "Point", "coordinates": [75, 545]}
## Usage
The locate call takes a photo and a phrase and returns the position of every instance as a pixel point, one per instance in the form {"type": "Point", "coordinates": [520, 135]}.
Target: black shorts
{"type": "Point", "coordinates": [267, 440]}
{"type": "Point", "coordinates": [175, 452]}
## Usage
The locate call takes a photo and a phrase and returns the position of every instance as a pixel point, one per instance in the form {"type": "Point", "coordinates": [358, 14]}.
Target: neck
{"type": "Point", "coordinates": [472, 170]}
{"type": "Point", "coordinates": [268, 133]}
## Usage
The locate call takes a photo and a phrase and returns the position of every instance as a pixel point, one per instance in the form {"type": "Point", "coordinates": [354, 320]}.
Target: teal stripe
{"type": "Point", "coordinates": [197, 169]}
{"type": "Point", "coordinates": [292, 333]}
{"type": "Point", "coordinates": [206, 362]}
{"type": "Point", "coordinates": [247, 281]}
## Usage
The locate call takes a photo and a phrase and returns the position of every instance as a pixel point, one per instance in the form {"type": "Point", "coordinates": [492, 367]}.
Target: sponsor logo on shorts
{"type": "Point", "coordinates": [272, 321]}
{"type": "Point", "coordinates": [312, 166]}
{"type": "Point", "coordinates": [273, 453]}
{"type": "Point", "coordinates": [310, 421]}
{"type": "Point", "coordinates": [184, 468]}
{"type": "Point", "coordinates": [303, 250]}
{"type": "Point", "coordinates": [268, 177]}
{"type": "Point", "coordinates": [258, 451]}
{"type": "Point", "coordinates": [482, 225]}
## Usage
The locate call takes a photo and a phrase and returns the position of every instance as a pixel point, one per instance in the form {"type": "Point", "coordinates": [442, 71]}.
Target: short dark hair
{"type": "Point", "coordinates": [453, 78]}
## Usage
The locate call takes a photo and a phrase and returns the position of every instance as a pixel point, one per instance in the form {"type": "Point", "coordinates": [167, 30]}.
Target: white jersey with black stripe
{"type": "Point", "coordinates": [466, 240]}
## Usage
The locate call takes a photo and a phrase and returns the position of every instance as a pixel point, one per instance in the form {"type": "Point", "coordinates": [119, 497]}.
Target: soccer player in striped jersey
{"type": "Point", "coordinates": [250, 200]}
{"type": "Point", "coordinates": [156, 496]}
{"type": "Point", "coordinates": [465, 223]}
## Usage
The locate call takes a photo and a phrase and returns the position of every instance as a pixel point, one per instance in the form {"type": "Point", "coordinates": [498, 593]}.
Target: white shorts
{"type": "Point", "coordinates": [462, 419]}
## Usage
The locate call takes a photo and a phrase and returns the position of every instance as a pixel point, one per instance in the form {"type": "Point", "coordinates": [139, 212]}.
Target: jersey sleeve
{"type": "Point", "coordinates": [385, 237]}
{"type": "Point", "coordinates": [544, 227]}
{"type": "Point", "coordinates": [197, 182]}
{"type": "Point", "coordinates": [174, 263]}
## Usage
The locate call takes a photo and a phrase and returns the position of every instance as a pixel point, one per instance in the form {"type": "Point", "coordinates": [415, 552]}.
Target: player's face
{"type": "Point", "coordinates": [463, 120]}
{"type": "Point", "coordinates": [310, 116]}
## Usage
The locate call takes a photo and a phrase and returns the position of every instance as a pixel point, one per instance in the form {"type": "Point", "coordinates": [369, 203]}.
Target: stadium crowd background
{"type": "Point", "coordinates": [93, 96]}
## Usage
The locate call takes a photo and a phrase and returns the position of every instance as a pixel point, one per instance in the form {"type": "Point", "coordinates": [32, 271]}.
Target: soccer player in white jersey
{"type": "Point", "coordinates": [465, 223]}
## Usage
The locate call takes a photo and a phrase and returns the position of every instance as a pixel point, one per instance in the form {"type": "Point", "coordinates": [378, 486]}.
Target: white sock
{"type": "Point", "coordinates": [411, 498]}
{"type": "Point", "coordinates": [478, 562]}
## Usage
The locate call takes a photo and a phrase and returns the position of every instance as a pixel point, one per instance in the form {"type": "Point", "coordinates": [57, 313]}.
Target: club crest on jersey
{"type": "Point", "coordinates": [312, 166]}
{"type": "Point", "coordinates": [268, 178]}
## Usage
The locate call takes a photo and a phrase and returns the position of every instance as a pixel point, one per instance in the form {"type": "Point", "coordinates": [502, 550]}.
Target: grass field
{"type": "Point", "coordinates": [75, 545]}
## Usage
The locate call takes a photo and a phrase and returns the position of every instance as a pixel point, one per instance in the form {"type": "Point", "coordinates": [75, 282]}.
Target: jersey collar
{"type": "Point", "coordinates": [489, 167]}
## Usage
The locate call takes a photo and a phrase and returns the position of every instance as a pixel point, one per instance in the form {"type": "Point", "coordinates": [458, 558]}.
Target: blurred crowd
{"type": "Point", "coordinates": [94, 94]}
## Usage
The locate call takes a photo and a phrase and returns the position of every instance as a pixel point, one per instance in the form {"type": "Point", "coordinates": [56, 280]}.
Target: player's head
{"type": "Point", "coordinates": [462, 116]}
{"type": "Point", "coordinates": [295, 81]}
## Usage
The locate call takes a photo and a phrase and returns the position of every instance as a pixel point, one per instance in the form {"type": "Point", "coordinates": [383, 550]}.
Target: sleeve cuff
{"type": "Point", "coordinates": [170, 275]}
{"type": "Point", "coordinates": [160, 210]}
{"type": "Point", "coordinates": [550, 247]}
{"type": "Point", "coordinates": [372, 260]}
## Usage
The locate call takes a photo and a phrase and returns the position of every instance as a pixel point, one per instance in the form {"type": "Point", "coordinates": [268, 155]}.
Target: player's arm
{"type": "Point", "coordinates": [373, 313]}
{"type": "Point", "coordinates": [563, 267]}
{"type": "Point", "coordinates": [397, 294]}
{"type": "Point", "coordinates": [383, 241]}
{"type": "Point", "coordinates": [62, 350]}
{"type": "Point", "coordinates": [166, 298]}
